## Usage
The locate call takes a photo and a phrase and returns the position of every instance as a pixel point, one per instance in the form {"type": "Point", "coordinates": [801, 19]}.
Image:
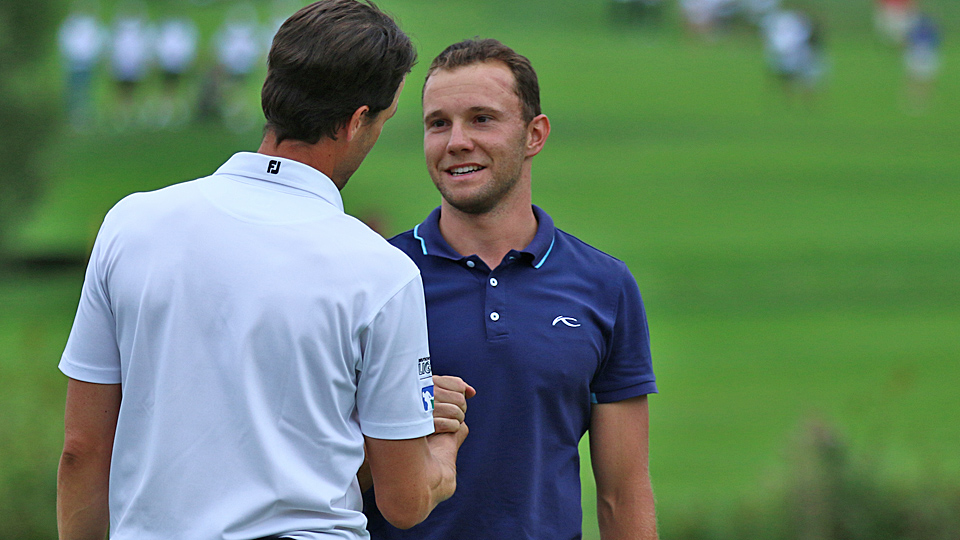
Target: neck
{"type": "Point", "coordinates": [490, 235]}
{"type": "Point", "coordinates": [322, 155]}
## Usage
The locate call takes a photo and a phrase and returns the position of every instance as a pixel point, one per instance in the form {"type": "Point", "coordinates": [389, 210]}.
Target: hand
{"type": "Point", "coordinates": [450, 396]}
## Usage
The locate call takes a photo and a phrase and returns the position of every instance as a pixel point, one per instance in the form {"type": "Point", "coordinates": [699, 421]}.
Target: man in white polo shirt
{"type": "Point", "coordinates": [239, 339]}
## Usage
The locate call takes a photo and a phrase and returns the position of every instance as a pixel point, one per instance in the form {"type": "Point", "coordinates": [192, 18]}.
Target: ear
{"type": "Point", "coordinates": [355, 122]}
{"type": "Point", "coordinates": [537, 132]}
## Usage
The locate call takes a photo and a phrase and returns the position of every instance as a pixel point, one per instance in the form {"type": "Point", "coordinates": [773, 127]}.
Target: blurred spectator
{"type": "Point", "coordinates": [705, 17]}
{"type": "Point", "coordinates": [210, 98]}
{"type": "Point", "coordinates": [893, 18]}
{"type": "Point", "coordinates": [176, 50]}
{"type": "Point", "coordinates": [130, 58]}
{"type": "Point", "coordinates": [922, 58]}
{"type": "Point", "coordinates": [794, 47]}
{"type": "Point", "coordinates": [81, 40]}
{"type": "Point", "coordinates": [238, 47]}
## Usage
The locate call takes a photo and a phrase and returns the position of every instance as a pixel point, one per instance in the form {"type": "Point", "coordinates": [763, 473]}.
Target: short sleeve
{"type": "Point", "coordinates": [627, 371]}
{"type": "Point", "coordinates": [91, 354]}
{"type": "Point", "coordinates": [395, 383]}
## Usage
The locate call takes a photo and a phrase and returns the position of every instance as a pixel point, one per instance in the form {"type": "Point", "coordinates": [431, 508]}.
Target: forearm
{"type": "Point", "coordinates": [414, 501]}
{"type": "Point", "coordinates": [443, 448]}
{"type": "Point", "coordinates": [82, 498]}
{"type": "Point", "coordinates": [413, 476]}
{"type": "Point", "coordinates": [628, 514]}
{"type": "Point", "coordinates": [619, 455]}
{"type": "Point", "coordinates": [83, 479]}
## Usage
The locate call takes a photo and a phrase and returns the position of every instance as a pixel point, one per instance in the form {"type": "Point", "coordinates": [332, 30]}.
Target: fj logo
{"type": "Point", "coordinates": [569, 321]}
{"type": "Point", "coordinates": [273, 167]}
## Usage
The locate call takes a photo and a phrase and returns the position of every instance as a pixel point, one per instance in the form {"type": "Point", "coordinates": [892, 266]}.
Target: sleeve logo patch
{"type": "Point", "coordinates": [426, 372]}
{"type": "Point", "coordinates": [426, 395]}
{"type": "Point", "coordinates": [426, 383]}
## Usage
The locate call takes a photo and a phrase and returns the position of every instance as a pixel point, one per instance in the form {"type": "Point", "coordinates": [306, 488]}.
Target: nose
{"type": "Point", "coordinates": [459, 139]}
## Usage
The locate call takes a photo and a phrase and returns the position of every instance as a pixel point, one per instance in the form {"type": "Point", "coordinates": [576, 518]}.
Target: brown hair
{"type": "Point", "coordinates": [328, 60]}
{"type": "Point", "coordinates": [475, 51]}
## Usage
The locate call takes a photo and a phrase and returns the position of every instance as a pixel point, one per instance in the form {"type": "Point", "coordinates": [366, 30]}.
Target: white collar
{"type": "Point", "coordinates": [283, 172]}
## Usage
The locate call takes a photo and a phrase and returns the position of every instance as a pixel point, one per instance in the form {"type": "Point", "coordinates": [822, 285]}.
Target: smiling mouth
{"type": "Point", "coordinates": [460, 171]}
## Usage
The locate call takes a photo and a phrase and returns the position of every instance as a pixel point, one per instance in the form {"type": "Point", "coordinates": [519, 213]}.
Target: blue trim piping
{"type": "Point", "coordinates": [416, 235]}
{"type": "Point", "coordinates": [539, 264]}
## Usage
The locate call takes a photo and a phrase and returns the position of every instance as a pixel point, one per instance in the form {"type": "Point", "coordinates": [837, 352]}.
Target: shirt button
{"type": "Point", "coordinates": [493, 282]}
{"type": "Point", "coordinates": [471, 264]}
{"type": "Point", "coordinates": [494, 316]}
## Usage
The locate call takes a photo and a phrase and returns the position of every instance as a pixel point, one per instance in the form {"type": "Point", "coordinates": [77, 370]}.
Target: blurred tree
{"type": "Point", "coordinates": [26, 37]}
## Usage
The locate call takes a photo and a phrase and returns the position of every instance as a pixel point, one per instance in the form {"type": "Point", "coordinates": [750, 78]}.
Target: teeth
{"type": "Point", "coordinates": [465, 170]}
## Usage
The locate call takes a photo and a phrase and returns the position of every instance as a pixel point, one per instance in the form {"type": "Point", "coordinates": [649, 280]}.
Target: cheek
{"type": "Point", "coordinates": [433, 148]}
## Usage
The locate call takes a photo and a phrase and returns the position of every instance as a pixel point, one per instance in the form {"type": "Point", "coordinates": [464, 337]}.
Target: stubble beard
{"type": "Point", "coordinates": [487, 197]}
{"type": "Point", "coordinates": [484, 200]}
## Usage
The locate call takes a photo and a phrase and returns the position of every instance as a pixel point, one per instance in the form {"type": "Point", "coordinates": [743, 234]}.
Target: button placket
{"type": "Point", "coordinates": [494, 307]}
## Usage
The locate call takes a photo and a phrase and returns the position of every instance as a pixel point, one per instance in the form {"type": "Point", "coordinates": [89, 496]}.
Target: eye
{"type": "Point", "coordinates": [435, 124]}
{"type": "Point", "coordinates": [483, 119]}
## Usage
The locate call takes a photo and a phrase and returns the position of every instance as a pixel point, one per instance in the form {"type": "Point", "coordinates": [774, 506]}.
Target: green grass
{"type": "Point", "coordinates": [35, 320]}
{"type": "Point", "coordinates": [796, 260]}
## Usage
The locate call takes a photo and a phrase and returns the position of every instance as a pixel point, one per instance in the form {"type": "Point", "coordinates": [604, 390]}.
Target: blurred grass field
{"type": "Point", "coordinates": [797, 259]}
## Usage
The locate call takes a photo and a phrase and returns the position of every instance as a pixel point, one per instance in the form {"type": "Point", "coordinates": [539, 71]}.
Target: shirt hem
{"type": "Point", "coordinates": [613, 396]}
{"type": "Point", "coordinates": [89, 374]}
{"type": "Point", "coordinates": [397, 431]}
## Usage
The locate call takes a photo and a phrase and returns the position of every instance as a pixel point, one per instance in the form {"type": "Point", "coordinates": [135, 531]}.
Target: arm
{"type": "Point", "coordinates": [619, 455]}
{"type": "Point", "coordinates": [450, 408]}
{"type": "Point", "coordinates": [90, 422]}
{"type": "Point", "coordinates": [414, 475]}
{"type": "Point", "coordinates": [364, 478]}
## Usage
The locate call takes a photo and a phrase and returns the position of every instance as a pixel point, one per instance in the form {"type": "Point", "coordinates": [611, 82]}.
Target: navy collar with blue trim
{"type": "Point", "coordinates": [433, 243]}
{"type": "Point", "coordinates": [286, 174]}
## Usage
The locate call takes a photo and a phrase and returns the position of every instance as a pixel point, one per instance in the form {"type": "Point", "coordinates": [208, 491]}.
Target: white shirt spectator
{"type": "Point", "coordinates": [239, 47]}
{"type": "Point", "coordinates": [131, 49]}
{"type": "Point", "coordinates": [81, 40]}
{"type": "Point", "coordinates": [787, 36]}
{"type": "Point", "coordinates": [176, 45]}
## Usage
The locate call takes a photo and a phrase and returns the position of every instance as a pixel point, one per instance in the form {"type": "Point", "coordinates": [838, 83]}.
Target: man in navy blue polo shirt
{"type": "Point", "coordinates": [550, 331]}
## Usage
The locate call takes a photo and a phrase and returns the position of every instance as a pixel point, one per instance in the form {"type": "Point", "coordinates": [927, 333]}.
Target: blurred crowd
{"type": "Point", "coordinates": [134, 71]}
{"type": "Point", "coordinates": [903, 25]}
{"type": "Point", "coordinates": [794, 41]}
{"type": "Point", "coordinates": [137, 72]}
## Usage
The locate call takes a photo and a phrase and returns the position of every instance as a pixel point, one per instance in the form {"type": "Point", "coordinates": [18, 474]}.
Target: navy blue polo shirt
{"type": "Point", "coordinates": [551, 330]}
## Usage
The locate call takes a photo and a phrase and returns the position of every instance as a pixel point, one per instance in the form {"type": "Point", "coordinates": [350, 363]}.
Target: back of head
{"type": "Point", "coordinates": [477, 51]}
{"type": "Point", "coordinates": [328, 60]}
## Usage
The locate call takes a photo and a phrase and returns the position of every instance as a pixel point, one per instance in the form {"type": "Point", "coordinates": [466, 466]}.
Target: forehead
{"type": "Point", "coordinates": [487, 84]}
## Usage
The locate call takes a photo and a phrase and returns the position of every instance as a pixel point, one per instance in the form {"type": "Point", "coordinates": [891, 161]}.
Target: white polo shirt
{"type": "Point", "coordinates": [258, 333]}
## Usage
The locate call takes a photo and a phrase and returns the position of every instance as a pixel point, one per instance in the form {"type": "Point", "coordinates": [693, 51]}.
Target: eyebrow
{"type": "Point", "coordinates": [474, 110]}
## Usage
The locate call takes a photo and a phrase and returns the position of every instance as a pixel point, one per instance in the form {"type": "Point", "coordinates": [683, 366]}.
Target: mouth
{"type": "Point", "coordinates": [463, 170]}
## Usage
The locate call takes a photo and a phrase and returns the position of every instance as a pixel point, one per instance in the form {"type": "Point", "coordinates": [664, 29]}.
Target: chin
{"type": "Point", "coordinates": [469, 206]}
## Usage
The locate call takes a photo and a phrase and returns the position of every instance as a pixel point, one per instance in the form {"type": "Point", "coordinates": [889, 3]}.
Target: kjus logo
{"type": "Point", "coordinates": [273, 167]}
{"type": "Point", "coordinates": [569, 321]}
